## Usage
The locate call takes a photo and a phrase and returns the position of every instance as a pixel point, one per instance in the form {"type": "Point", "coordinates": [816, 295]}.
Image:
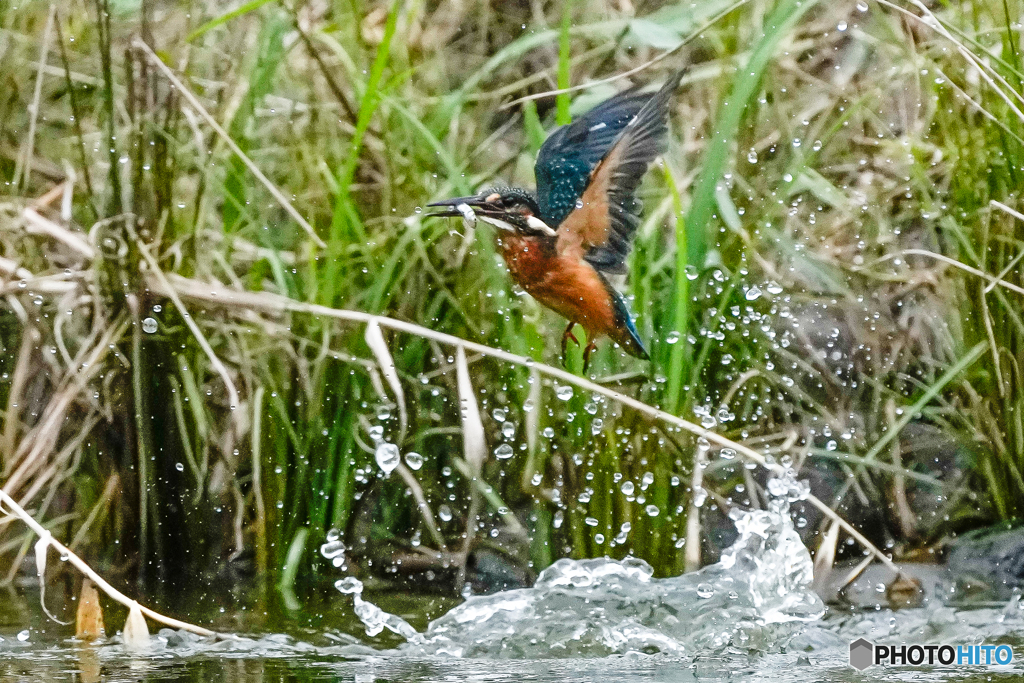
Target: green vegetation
{"type": "Point", "coordinates": [822, 262]}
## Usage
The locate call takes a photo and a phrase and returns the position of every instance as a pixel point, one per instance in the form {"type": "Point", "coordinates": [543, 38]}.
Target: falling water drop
{"type": "Point", "coordinates": [387, 457]}
{"type": "Point", "coordinates": [149, 325]}
{"type": "Point", "coordinates": [414, 460]}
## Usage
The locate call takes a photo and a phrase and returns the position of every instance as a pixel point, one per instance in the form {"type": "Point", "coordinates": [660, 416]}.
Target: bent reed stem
{"type": "Point", "coordinates": [277, 304]}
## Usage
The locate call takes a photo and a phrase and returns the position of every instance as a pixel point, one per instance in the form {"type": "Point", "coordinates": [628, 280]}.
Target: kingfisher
{"type": "Point", "coordinates": [562, 241]}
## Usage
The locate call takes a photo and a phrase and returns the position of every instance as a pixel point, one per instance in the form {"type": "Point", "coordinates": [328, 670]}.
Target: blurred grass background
{"type": "Point", "coordinates": [814, 273]}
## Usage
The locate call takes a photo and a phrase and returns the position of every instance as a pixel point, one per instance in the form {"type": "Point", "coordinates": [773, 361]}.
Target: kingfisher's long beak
{"type": "Point", "coordinates": [464, 206]}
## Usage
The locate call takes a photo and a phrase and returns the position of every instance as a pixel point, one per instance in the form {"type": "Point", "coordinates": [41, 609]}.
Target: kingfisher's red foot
{"type": "Point", "coordinates": [566, 336]}
{"type": "Point", "coordinates": [591, 347]}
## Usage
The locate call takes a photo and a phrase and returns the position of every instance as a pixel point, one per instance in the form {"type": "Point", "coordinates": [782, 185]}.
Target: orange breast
{"type": "Point", "coordinates": [569, 286]}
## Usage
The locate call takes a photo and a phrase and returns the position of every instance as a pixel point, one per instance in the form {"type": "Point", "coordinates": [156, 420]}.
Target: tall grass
{"type": "Point", "coordinates": [810, 148]}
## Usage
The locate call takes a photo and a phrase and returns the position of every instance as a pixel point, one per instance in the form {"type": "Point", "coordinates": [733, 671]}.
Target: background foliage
{"type": "Point", "coordinates": [810, 275]}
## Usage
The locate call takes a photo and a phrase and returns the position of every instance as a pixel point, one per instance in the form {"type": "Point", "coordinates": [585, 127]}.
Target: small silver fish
{"type": "Point", "coordinates": [468, 216]}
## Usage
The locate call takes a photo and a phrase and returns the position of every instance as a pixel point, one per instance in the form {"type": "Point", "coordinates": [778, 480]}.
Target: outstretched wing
{"type": "Point", "coordinates": [568, 156]}
{"type": "Point", "coordinates": [601, 225]}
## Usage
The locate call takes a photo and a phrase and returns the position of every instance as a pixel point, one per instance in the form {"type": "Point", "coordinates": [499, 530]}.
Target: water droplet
{"type": "Point", "coordinates": [179, 466]}
{"type": "Point", "coordinates": [774, 287]}
{"type": "Point", "coordinates": [753, 293]}
{"type": "Point", "coordinates": [705, 591]}
{"type": "Point", "coordinates": [499, 414]}
{"type": "Point", "coordinates": [548, 433]}
{"type": "Point", "coordinates": [564, 392]}
{"type": "Point", "coordinates": [862, 6]}
{"type": "Point", "coordinates": [387, 457]}
{"type": "Point", "coordinates": [349, 585]}
{"type": "Point", "coordinates": [596, 426]}
{"type": "Point", "coordinates": [672, 337]}
{"type": "Point", "coordinates": [647, 480]}
{"type": "Point", "coordinates": [445, 513]}
{"type": "Point", "coordinates": [414, 460]}
{"type": "Point", "coordinates": [627, 488]}
{"type": "Point", "coordinates": [653, 511]}
{"type": "Point", "coordinates": [699, 496]}
{"type": "Point", "coordinates": [23, 284]}
{"type": "Point", "coordinates": [503, 452]}
{"type": "Point", "coordinates": [708, 421]}
{"type": "Point", "coordinates": [691, 272]}
{"type": "Point", "coordinates": [23, 635]}
{"type": "Point", "coordinates": [842, 26]}
{"type": "Point", "coordinates": [727, 454]}
{"type": "Point", "coordinates": [579, 203]}
{"type": "Point", "coordinates": [149, 325]}
{"type": "Point", "coordinates": [157, 308]}
{"type": "Point", "coordinates": [752, 156]}
{"type": "Point", "coordinates": [831, 445]}
{"type": "Point", "coordinates": [508, 430]}
{"type": "Point", "coordinates": [558, 519]}
{"type": "Point", "coordinates": [590, 407]}
{"type": "Point", "coordinates": [333, 548]}
{"type": "Point", "coordinates": [591, 521]}
{"type": "Point", "coordinates": [383, 413]}
{"type": "Point", "coordinates": [528, 405]}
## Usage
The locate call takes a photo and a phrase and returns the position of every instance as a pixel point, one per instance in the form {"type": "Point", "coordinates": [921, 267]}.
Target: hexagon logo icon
{"type": "Point", "coordinates": [861, 654]}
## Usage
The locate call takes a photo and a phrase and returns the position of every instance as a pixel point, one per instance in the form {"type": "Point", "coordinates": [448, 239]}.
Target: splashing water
{"type": "Point", "coordinates": [374, 618]}
{"type": "Point", "coordinates": [757, 595]}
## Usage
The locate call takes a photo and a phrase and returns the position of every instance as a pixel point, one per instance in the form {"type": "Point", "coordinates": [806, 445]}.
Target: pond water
{"type": "Point", "coordinates": [749, 617]}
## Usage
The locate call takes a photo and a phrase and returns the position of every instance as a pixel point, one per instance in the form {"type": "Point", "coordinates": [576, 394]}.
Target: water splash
{"type": "Point", "coordinates": [374, 618]}
{"type": "Point", "coordinates": [756, 595]}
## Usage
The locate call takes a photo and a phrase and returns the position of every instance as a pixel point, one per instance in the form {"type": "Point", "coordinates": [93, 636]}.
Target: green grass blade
{"type": "Point", "coordinates": [225, 18]}
{"type": "Point", "coordinates": [716, 159]}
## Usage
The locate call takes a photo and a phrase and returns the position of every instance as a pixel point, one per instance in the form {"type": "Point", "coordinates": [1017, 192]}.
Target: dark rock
{"type": "Point", "coordinates": [987, 564]}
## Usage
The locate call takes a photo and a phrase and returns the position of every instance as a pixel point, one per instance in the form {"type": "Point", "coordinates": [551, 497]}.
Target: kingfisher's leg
{"type": "Point", "coordinates": [566, 336]}
{"type": "Point", "coordinates": [586, 354]}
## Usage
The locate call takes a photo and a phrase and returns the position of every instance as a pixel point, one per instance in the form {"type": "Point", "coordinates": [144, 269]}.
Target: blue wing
{"type": "Point", "coordinates": [570, 154]}
{"type": "Point", "coordinates": [600, 225]}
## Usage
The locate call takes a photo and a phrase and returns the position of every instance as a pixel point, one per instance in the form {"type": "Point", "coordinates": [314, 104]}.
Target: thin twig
{"type": "Point", "coordinates": [24, 169]}
{"type": "Point", "coordinates": [253, 168]}
{"type": "Point", "coordinates": [274, 303]}
{"type": "Point", "coordinates": [78, 563]}
{"type": "Point", "coordinates": [196, 332]}
{"type": "Point", "coordinates": [646, 65]}
{"type": "Point", "coordinates": [950, 261]}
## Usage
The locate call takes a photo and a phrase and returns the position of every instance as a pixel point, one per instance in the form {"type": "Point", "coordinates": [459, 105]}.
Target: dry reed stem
{"type": "Point", "coordinates": [277, 304]}
{"type": "Point", "coordinates": [7, 501]}
{"type": "Point", "coordinates": [24, 169]}
{"type": "Point", "coordinates": [233, 399]}
{"type": "Point", "coordinates": [637, 69]}
{"type": "Point", "coordinates": [253, 168]}
{"type": "Point", "coordinates": [993, 281]}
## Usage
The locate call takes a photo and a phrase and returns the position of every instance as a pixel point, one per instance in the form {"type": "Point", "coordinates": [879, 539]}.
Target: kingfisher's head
{"type": "Point", "coordinates": [507, 208]}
